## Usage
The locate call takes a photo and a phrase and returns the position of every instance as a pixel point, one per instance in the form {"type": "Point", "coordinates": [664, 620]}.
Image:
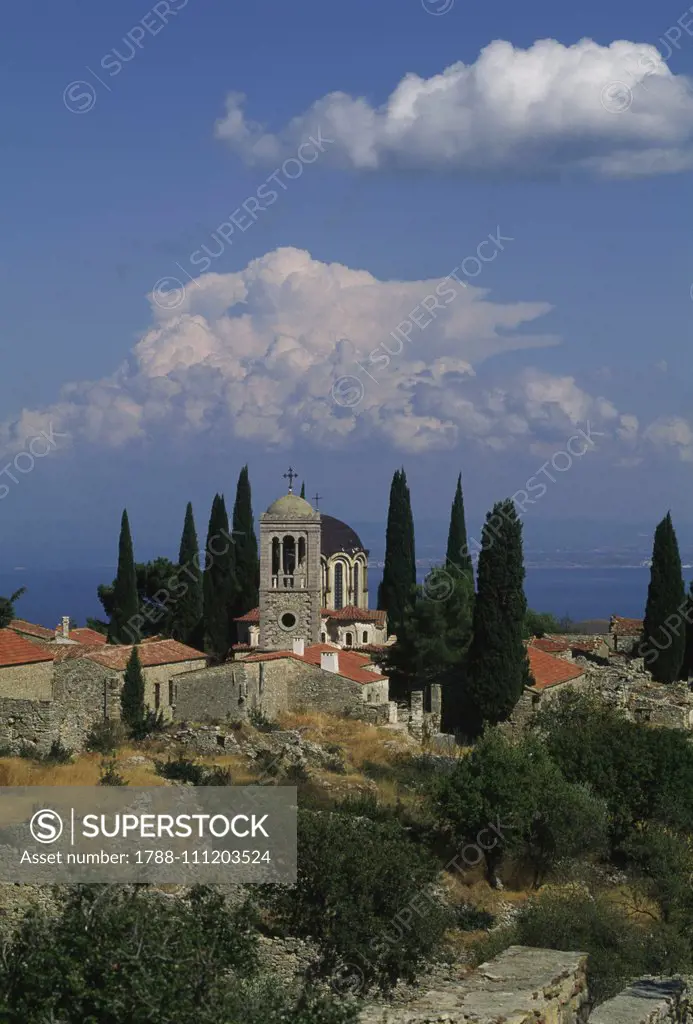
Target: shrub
{"type": "Point", "coordinates": [354, 877]}
{"type": "Point", "coordinates": [180, 769]}
{"type": "Point", "coordinates": [471, 919]}
{"type": "Point", "coordinates": [643, 774]}
{"type": "Point", "coordinates": [296, 773]}
{"type": "Point", "coordinates": [118, 953]}
{"type": "Point", "coordinates": [517, 797]}
{"type": "Point", "coordinates": [110, 775]}
{"type": "Point", "coordinates": [618, 949]}
{"type": "Point", "coordinates": [58, 754]}
{"type": "Point", "coordinates": [259, 720]}
{"type": "Point", "coordinates": [105, 736]}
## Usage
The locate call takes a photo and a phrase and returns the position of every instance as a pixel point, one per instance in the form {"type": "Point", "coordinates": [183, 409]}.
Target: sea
{"type": "Point", "coordinates": [579, 593]}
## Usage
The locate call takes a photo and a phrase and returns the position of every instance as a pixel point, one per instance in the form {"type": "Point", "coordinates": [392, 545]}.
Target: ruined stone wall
{"type": "Point", "coordinates": [83, 693]}
{"type": "Point", "coordinates": [27, 682]}
{"type": "Point", "coordinates": [520, 985]}
{"type": "Point", "coordinates": [27, 723]}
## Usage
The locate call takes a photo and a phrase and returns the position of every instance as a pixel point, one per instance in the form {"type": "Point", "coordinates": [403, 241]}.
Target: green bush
{"type": "Point", "coordinates": [180, 769]}
{"type": "Point", "coordinates": [619, 949]}
{"type": "Point", "coordinates": [57, 754]}
{"type": "Point", "coordinates": [364, 894]}
{"type": "Point", "coordinates": [471, 919]}
{"type": "Point", "coordinates": [110, 775]}
{"type": "Point", "coordinates": [259, 720]}
{"type": "Point", "coordinates": [643, 774]}
{"type": "Point", "coordinates": [510, 797]}
{"type": "Point", "coordinates": [105, 736]}
{"type": "Point", "coordinates": [115, 954]}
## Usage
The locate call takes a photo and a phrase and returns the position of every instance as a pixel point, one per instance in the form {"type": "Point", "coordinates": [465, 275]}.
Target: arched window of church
{"type": "Point", "coordinates": [348, 639]}
{"type": "Point", "coordinates": [365, 637]}
{"type": "Point", "coordinates": [301, 552]}
{"type": "Point", "coordinates": [323, 638]}
{"type": "Point", "coordinates": [356, 584]}
{"type": "Point", "coordinates": [275, 556]}
{"type": "Point", "coordinates": [339, 585]}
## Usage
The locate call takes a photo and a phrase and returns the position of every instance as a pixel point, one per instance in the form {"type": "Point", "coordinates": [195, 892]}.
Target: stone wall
{"type": "Point", "coordinates": [649, 1001]}
{"type": "Point", "coordinates": [27, 682]}
{"type": "Point", "coordinates": [284, 684]}
{"type": "Point", "coordinates": [215, 694]}
{"type": "Point", "coordinates": [533, 700]}
{"type": "Point", "coordinates": [84, 693]}
{"type": "Point", "coordinates": [520, 985]}
{"type": "Point", "coordinates": [27, 723]}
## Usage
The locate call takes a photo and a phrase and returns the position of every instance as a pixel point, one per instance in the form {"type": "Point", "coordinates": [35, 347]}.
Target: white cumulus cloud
{"type": "Point", "coordinates": [613, 111]}
{"type": "Point", "coordinates": [292, 348]}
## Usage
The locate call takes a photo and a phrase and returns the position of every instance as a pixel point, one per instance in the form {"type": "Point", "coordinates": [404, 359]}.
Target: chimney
{"type": "Point", "coordinates": [329, 661]}
{"type": "Point", "coordinates": [299, 645]}
{"type": "Point", "coordinates": [66, 627]}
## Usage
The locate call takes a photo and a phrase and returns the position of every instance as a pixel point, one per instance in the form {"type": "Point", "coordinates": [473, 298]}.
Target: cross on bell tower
{"type": "Point", "coordinates": [290, 476]}
{"type": "Point", "coordinates": [316, 498]}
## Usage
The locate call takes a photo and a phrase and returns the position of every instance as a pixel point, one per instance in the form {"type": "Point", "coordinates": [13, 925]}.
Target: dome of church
{"type": "Point", "coordinates": [290, 506]}
{"type": "Point", "coordinates": [337, 536]}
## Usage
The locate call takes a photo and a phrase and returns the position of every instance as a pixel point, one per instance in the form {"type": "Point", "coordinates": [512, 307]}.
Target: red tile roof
{"type": "Point", "coordinates": [353, 614]}
{"type": "Point", "coordinates": [41, 632]}
{"type": "Point", "coordinates": [352, 665]}
{"type": "Point", "coordinates": [116, 656]}
{"type": "Point", "coordinates": [625, 627]}
{"type": "Point", "coordinates": [549, 671]}
{"type": "Point", "coordinates": [549, 645]}
{"type": "Point", "coordinates": [252, 616]}
{"type": "Point", "coordinates": [349, 614]}
{"type": "Point", "coordinates": [85, 635]}
{"type": "Point", "coordinates": [18, 650]}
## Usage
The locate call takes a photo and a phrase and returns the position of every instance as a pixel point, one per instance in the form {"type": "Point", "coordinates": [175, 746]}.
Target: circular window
{"type": "Point", "coordinates": [288, 620]}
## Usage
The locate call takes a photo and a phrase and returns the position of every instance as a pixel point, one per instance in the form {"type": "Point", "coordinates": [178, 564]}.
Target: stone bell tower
{"type": "Point", "coordinates": [290, 574]}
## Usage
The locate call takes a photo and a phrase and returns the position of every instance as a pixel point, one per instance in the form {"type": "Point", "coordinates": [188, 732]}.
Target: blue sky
{"type": "Point", "coordinates": [584, 316]}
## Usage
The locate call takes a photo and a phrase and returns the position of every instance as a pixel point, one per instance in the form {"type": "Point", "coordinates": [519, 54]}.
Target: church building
{"type": "Point", "coordinates": [313, 582]}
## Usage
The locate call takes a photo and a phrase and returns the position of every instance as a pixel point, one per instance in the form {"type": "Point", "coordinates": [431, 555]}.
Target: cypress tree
{"type": "Point", "coordinates": [303, 489]}
{"type": "Point", "coordinates": [458, 553]}
{"type": "Point", "coordinates": [497, 668]}
{"type": "Point", "coordinates": [132, 709]}
{"type": "Point", "coordinates": [687, 666]}
{"type": "Point", "coordinates": [398, 587]}
{"type": "Point", "coordinates": [663, 646]}
{"type": "Point", "coordinates": [245, 553]}
{"type": "Point", "coordinates": [186, 618]}
{"type": "Point", "coordinates": [218, 589]}
{"type": "Point", "coordinates": [123, 627]}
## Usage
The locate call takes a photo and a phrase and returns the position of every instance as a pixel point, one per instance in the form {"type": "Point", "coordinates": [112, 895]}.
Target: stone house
{"type": "Point", "coordinates": [26, 667]}
{"type": "Point", "coordinates": [62, 634]}
{"type": "Point", "coordinates": [161, 660]}
{"type": "Point", "coordinates": [51, 691]}
{"type": "Point", "coordinates": [551, 674]}
{"type": "Point", "coordinates": [570, 645]}
{"type": "Point", "coordinates": [317, 676]}
{"type": "Point", "coordinates": [624, 634]}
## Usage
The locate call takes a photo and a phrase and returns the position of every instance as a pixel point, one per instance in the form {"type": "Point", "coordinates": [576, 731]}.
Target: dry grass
{"type": "Point", "coordinates": [361, 742]}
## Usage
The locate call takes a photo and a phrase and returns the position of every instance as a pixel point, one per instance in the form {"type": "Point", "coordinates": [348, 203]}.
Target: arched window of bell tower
{"type": "Point", "coordinates": [339, 585]}
{"type": "Point", "coordinates": [289, 560]}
